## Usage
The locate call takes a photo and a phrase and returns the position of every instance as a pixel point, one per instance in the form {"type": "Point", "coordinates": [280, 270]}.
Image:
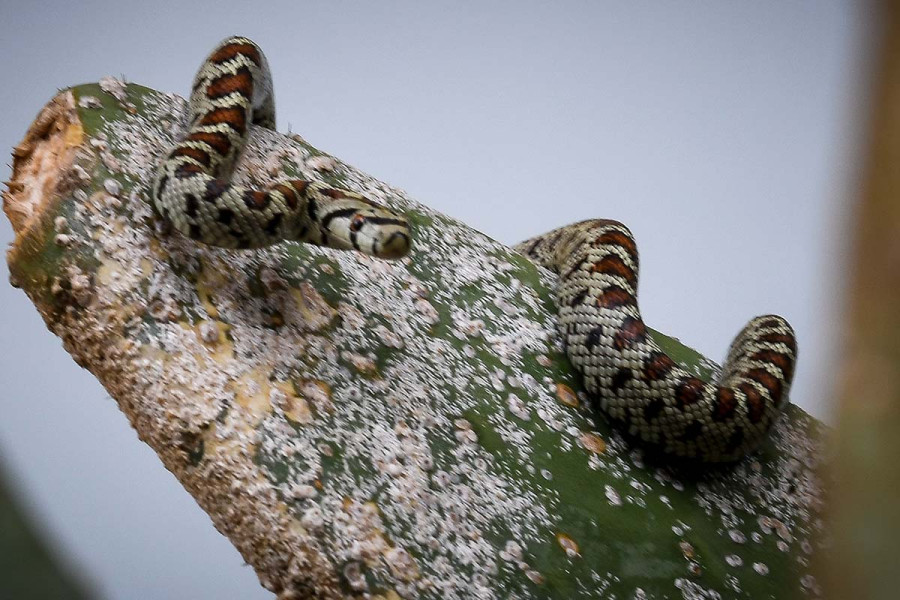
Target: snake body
{"type": "Point", "coordinates": [193, 191]}
{"type": "Point", "coordinates": [638, 386]}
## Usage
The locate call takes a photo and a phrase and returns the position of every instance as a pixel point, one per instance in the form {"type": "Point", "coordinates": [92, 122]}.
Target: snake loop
{"type": "Point", "coordinates": [192, 189]}
{"type": "Point", "coordinates": [638, 386]}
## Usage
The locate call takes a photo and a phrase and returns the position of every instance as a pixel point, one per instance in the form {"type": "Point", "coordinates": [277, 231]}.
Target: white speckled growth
{"type": "Point", "coordinates": [370, 429]}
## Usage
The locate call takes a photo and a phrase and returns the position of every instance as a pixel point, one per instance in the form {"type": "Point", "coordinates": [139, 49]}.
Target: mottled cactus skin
{"type": "Point", "coordinates": [410, 428]}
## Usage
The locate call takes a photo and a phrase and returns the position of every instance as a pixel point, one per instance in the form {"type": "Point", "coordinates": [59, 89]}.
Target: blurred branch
{"type": "Point", "coordinates": [866, 505]}
{"type": "Point", "coordinates": [28, 569]}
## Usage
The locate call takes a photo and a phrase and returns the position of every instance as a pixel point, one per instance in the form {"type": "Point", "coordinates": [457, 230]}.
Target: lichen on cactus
{"type": "Point", "coordinates": [368, 429]}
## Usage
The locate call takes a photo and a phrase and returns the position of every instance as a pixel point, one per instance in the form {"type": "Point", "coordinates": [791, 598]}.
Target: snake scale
{"type": "Point", "coordinates": [637, 385]}
{"type": "Point", "coordinates": [192, 189]}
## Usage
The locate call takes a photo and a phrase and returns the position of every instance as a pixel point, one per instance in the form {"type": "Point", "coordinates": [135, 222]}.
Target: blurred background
{"type": "Point", "coordinates": [726, 135]}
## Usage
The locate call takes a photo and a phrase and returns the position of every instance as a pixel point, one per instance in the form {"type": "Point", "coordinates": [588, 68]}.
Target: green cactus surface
{"type": "Point", "coordinates": [369, 429]}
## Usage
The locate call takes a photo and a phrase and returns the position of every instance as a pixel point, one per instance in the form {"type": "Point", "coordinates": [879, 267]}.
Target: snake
{"type": "Point", "coordinates": [638, 387]}
{"type": "Point", "coordinates": [193, 191]}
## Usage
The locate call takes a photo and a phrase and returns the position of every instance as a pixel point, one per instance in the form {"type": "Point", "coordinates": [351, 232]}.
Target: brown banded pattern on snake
{"type": "Point", "coordinates": [637, 385]}
{"type": "Point", "coordinates": [193, 191]}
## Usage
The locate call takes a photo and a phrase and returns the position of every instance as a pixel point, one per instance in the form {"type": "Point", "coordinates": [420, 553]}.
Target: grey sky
{"type": "Point", "coordinates": [724, 134]}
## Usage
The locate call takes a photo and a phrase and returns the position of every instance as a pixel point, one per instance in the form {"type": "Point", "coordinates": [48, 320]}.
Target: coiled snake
{"type": "Point", "coordinates": [233, 89]}
{"type": "Point", "coordinates": [638, 386]}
